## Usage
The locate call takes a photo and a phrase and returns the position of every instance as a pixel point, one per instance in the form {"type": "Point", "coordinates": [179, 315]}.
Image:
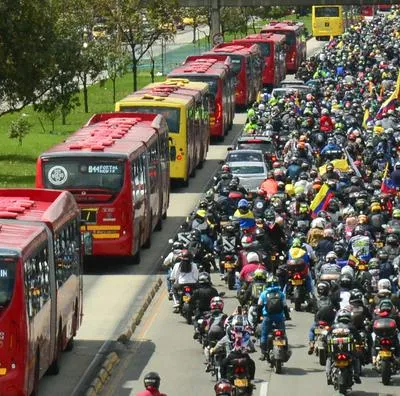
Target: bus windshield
{"type": "Point", "coordinates": [321, 12]}
{"type": "Point", "coordinates": [171, 114]}
{"type": "Point", "coordinates": [83, 172]}
{"type": "Point", "coordinates": [265, 49]}
{"type": "Point", "coordinates": [290, 36]}
{"type": "Point", "coordinates": [211, 81]}
{"type": "Point", "coordinates": [7, 280]}
{"type": "Point", "coordinates": [236, 63]}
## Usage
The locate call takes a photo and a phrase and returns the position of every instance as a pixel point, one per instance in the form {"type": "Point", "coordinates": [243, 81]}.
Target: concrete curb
{"type": "Point", "coordinates": [103, 374]}
{"type": "Point", "coordinates": [112, 359]}
{"type": "Point", "coordinates": [137, 317]}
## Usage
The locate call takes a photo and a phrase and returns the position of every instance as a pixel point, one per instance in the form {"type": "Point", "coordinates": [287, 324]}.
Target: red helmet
{"type": "Point", "coordinates": [223, 387]}
{"type": "Point", "coordinates": [226, 168]}
{"type": "Point", "coordinates": [217, 303]}
{"type": "Point", "coordinates": [276, 165]}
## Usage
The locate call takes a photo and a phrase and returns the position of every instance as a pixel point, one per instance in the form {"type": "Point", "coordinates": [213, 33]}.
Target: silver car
{"type": "Point", "coordinates": [246, 155]}
{"type": "Point", "coordinates": [251, 174]}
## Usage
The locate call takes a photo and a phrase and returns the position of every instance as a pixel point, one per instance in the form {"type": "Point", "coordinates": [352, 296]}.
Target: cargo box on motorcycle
{"type": "Point", "coordinates": [384, 327]}
{"type": "Point", "coordinates": [295, 266]}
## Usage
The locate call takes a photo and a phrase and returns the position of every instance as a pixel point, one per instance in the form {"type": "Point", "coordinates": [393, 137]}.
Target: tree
{"type": "Point", "coordinates": [26, 51]}
{"type": "Point", "coordinates": [140, 24]}
{"type": "Point", "coordinates": [233, 20]}
{"type": "Point", "coordinates": [19, 128]}
{"type": "Point", "coordinates": [198, 14]}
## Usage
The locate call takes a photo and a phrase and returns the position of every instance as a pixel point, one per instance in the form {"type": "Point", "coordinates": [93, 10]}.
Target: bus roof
{"type": "Point", "coordinates": [204, 66]}
{"type": "Point", "coordinates": [183, 83]}
{"type": "Point", "coordinates": [262, 37]}
{"type": "Point", "coordinates": [52, 207]}
{"type": "Point", "coordinates": [170, 100]}
{"type": "Point", "coordinates": [17, 238]}
{"type": "Point", "coordinates": [110, 138]}
{"type": "Point", "coordinates": [283, 25]}
{"type": "Point", "coordinates": [160, 89]}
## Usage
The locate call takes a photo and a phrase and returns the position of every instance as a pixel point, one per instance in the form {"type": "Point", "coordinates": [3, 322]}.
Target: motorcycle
{"type": "Point", "coordinates": [297, 281]}
{"type": "Point", "coordinates": [340, 349]}
{"type": "Point", "coordinates": [321, 345]}
{"type": "Point", "coordinates": [185, 306]}
{"type": "Point", "coordinates": [276, 260]}
{"type": "Point", "coordinates": [229, 263]}
{"type": "Point", "coordinates": [278, 350]}
{"type": "Point", "coordinates": [239, 377]}
{"type": "Point", "coordinates": [386, 333]}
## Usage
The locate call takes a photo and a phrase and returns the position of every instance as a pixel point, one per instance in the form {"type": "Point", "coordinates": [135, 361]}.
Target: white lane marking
{"type": "Point", "coordinates": [264, 389]}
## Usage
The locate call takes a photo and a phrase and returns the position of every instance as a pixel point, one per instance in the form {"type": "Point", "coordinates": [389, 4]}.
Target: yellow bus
{"type": "Point", "coordinates": [332, 20]}
{"type": "Point", "coordinates": [179, 112]}
{"type": "Point", "coordinates": [201, 94]}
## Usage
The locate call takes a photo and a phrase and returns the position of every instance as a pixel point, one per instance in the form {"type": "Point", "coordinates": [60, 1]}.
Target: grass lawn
{"type": "Point", "coordinates": [17, 163]}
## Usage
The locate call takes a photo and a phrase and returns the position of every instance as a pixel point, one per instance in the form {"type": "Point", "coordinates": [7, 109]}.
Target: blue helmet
{"type": "Point", "coordinates": [243, 203]}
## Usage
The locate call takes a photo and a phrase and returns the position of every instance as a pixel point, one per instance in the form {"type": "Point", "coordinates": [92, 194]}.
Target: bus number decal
{"type": "Point", "coordinates": [103, 169]}
{"type": "Point", "coordinates": [57, 175]}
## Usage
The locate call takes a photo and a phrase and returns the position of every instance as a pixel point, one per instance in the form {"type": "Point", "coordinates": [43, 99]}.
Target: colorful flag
{"type": "Point", "coordinates": [367, 118]}
{"type": "Point", "coordinates": [389, 103]}
{"type": "Point", "coordinates": [387, 185]}
{"type": "Point", "coordinates": [321, 200]}
{"type": "Point", "coordinates": [340, 164]}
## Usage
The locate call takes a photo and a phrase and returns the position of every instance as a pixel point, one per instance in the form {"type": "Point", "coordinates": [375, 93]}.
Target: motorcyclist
{"type": "Point", "coordinates": [151, 383]}
{"type": "Point", "coordinates": [275, 235]}
{"type": "Point", "coordinates": [202, 296]}
{"type": "Point", "coordinates": [269, 186]}
{"type": "Point", "coordinates": [253, 263]}
{"type": "Point", "coordinates": [185, 272]}
{"type": "Point", "coordinates": [325, 122]}
{"type": "Point", "coordinates": [326, 311]}
{"type": "Point", "coordinates": [332, 150]}
{"type": "Point", "coordinates": [244, 216]}
{"type": "Point", "coordinates": [272, 304]}
{"type": "Point", "coordinates": [326, 244]}
{"type": "Point", "coordinates": [343, 321]}
{"type": "Point", "coordinates": [223, 388]}
{"type": "Point", "coordinates": [169, 263]}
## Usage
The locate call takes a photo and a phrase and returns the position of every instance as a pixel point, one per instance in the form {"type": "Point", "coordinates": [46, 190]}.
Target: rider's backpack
{"type": "Point", "coordinates": [274, 303]}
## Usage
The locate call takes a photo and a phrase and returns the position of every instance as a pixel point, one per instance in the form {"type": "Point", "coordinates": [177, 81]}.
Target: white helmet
{"type": "Point", "coordinates": [319, 222]}
{"type": "Point", "coordinates": [252, 257]}
{"type": "Point", "coordinates": [331, 255]}
{"type": "Point", "coordinates": [261, 107]}
{"type": "Point", "coordinates": [347, 270]}
{"type": "Point", "coordinates": [384, 284]}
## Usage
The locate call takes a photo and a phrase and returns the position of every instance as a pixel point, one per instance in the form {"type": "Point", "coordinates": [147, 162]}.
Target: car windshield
{"type": "Point", "coordinates": [247, 170]}
{"type": "Point", "coordinates": [7, 279]}
{"type": "Point", "coordinates": [211, 81]}
{"type": "Point", "coordinates": [83, 172]}
{"type": "Point", "coordinates": [244, 157]}
{"type": "Point", "coordinates": [321, 12]}
{"type": "Point", "coordinates": [265, 147]}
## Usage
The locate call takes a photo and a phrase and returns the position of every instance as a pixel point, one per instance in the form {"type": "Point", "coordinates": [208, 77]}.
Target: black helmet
{"type": "Point", "coordinates": [386, 305]}
{"type": "Point", "coordinates": [339, 249]}
{"type": "Point", "coordinates": [392, 239]}
{"type": "Point", "coordinates": [382, 255]}
{"type": "Point", "coordinates": [152, 379]}
{"type": "Point", "coordinates": [259, 233]}
{"type": "Point", "coordinates": [204, 278]}
{"type": "Point", "coordinates": [359, 230]}
{"type": "Point", "coordinates": [323, 288]}
{"type": "Point", "coordinates": [345, 281]}
{"type": "Point", "coordinates": [203, 204]}
{"type": "Point", "coordinates": [185, 255]}
{"type": "Point", "coordinates": [269, 215]}
{"type": "Point", "coordinates": [343, 316]}
{"type": "Point", "coordinates": [355, 296]}
{"type": "Point", "coordinates": [373, 263]}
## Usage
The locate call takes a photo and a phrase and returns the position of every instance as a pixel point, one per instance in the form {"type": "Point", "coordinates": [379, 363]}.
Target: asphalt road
{"type": "Point", "coordinates": [113, 292]}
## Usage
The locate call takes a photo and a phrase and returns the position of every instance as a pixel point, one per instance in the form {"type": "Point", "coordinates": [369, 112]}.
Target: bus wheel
{"type": "Point", "coordinates": [185, 183]}
{"type": "Point", "coordinates": [158, 226]}
{"type": "Point", "coordinates": [35, 391]}
{"type": "Point", "coordinates": [164, 216]}
{"type": "Point", "coordinates": [147, 244]}
{"type": "Point", "coordinates": [54, 368]}
{"type": "Point", "coordinates": [135, 259]}
{"type": "Point", "coordinates": [220, 138]}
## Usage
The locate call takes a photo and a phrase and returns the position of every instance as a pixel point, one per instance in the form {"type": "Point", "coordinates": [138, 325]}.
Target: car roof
{"type": "Point", "coordinates": [259, 138]}
{"type": "Point", "coordinates": [292, 82]}
{"type": "Point", "coordinates": [238, 164]}
{"type": "Point", "coordinates": [245, 151]}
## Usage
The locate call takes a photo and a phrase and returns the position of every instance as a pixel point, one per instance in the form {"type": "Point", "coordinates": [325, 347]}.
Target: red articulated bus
{"type": "Point", "coordinates": [296, 43]}
{"type": "Point", "coordinates": [224, 63]}
{"type": "Point", "coordinates": [110, 167]}
{"type": "Point", "coordinates": [367, 12]}
{"type": "Point", "coordinates": [217, 78]}
{"type": "Point", "coordinates": [247, 68]}
{"type": "Point", "coordinates": [41, 284]}
{"type": "Point", "coordinates": [272, 48]}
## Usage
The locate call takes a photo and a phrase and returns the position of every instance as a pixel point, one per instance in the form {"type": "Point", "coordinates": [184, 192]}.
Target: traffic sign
{"type": "Point", "coordinates": [217, 38]}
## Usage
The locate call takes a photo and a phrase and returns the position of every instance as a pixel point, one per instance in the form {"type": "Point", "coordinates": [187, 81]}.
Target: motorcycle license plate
{"type": "Point", "coordinates": [229, 265]}
{"type": "Point", "coordinates": [279, 342]}
{"type": "Point", "coordinates": [379, 244]}
{"type": "Point", "coordinates": [241, 382]}
{"type": "Point", "coordinates": [186, 299]}
{"type": "Point", "coordinates": [362, 267]}
{"type": "Point", "coordinates": [273, 258]}
{"type": "Point", "coordinates": [342, 363]}
{"type": "Point", "coordinates": [317, 331]}
{"type": "Point", "coordinates": [385, 353]}
{"type": "Point", "coordinates": [297, 282]}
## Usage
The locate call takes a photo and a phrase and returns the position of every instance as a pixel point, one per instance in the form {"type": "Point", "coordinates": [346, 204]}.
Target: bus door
{"type": "Point", "coordinates": [155, 182]}
{"type": "Point", "coordinates": [280, 60]}
{"type": "Point", "coordinates": [190, 135]}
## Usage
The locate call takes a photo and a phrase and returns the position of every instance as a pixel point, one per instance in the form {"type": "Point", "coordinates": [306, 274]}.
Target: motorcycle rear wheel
{"type": "Point", "coordinates": [297, 305]}
{"type": "Point", "coordinates": [278, 366]}
{"type": "Point", "coordinates": [386, 372]}
{"type": "Point", "coordinates": [322, 357]}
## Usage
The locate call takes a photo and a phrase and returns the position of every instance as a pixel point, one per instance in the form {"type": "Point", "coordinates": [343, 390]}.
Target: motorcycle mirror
{"type": "Point", "coordinates": [222, 294]}
{"type": "Point", "coordinates": [221, 162]}
{"type": "Point", "coordinates": [170, 241]}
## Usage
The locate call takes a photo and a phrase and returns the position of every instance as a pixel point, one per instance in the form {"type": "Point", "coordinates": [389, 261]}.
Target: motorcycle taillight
{"type": "Point", "coordinates": [228, 258]}
{"type": "Point", "coordinates": [187, 289]}
{"type": "Point", "coordinates": [322, 323]}
{"type": "Point", "coordinates": [341, 356]}
{"type": "Point", "coordinates": [296, 276]}
{"type": "Point", "coordinates": [278, 333]}
{"type": "Point", "coordinates": [386, 342]}
{"type": "Point", "coordinates": [239, 370]}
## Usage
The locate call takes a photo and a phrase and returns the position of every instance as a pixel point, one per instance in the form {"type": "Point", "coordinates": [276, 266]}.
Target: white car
{"type": "Point", "coordinates": [251, 174]}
